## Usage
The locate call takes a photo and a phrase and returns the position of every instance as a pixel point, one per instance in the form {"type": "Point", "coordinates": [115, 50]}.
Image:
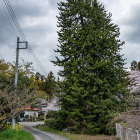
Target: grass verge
{"type": "Point", "coordinates": [15, 135]}
{"type": "Point", "coordinates": [76, 136]}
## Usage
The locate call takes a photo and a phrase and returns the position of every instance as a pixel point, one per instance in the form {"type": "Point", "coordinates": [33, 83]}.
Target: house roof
{"type": "Point", "coordinates": [29, 108]}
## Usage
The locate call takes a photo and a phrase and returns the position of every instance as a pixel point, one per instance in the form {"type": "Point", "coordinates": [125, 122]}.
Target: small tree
{"type": "Point", "coordinates": [12, 104]}
{"type": "Point", "coordinates": [4, 67]}
{"type": "Point", "coordinates": [50, 106]}
{"type": "Point", "coordinates": [134, 65]}
{"type": "Point", "coordinates": [50, 84]}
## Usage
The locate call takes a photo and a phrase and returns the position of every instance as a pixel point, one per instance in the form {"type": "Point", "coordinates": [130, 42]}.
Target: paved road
{"type": "Point", "coordinates": [38, 134]}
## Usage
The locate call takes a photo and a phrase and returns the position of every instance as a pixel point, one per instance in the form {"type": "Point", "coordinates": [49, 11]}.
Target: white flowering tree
{"type": "Point", "coordinates": [135, 88]}
{"type": "Point", "coordinates": [135, 79]}
{"type": "Point", "coordinates": [51, 106]}
{"type": "Point", "coordinates": [131, 118]}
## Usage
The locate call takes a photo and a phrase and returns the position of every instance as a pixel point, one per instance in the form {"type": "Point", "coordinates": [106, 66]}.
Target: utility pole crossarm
{"type": "Point", "coordinates": [26, 44]}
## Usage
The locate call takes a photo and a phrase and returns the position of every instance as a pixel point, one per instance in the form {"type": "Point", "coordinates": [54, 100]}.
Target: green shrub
{"type": "Point", "coordinates": [26, 116]}
{"type": "Point", "coordinates": [57, 121]}
{"type": "Point", "coordinates": [61, 122]}
{"type": "Point", "coordinates": [7, 126]}
{"type": "Point", "coordinates": [28, 119]}
{"type": "Point", "coordinates": [51, 114]}
{"type": "Point", "coordinates": [41, 117]}
{"type": "Point", "coordinates": [50, 122]}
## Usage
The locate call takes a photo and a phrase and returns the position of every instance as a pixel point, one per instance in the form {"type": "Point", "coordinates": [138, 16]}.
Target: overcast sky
{"type": "Point", "coordinates": [38, 21]}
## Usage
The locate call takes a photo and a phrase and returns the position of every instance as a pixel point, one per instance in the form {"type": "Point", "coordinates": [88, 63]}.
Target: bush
{"type": "Point", "coordinates": [7, 126]}
{"type": "Point", "coordinates": [51, 114]}
{"type": "Point", "coordinates": [57, 121]}
{"type": "Point", "coordinates": [41, 117]}
{"type": "Point", "coordinates": [28, 119]}
{"type": "Point", "coordinates": [26, 116]}
{"type": "Point", "coordinates": [61, 123]}
{"type": "Point", "coordinates": [50, 122]}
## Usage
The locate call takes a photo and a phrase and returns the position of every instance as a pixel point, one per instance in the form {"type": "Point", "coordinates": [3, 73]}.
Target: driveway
{"type": "Point", "coordinates": [38, 134]}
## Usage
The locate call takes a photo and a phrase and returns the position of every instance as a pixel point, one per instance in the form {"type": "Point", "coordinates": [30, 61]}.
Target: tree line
{"type": "Point", "coordinates": [30, 87]}
{"type": "Point", "coordinates": [26, 77]}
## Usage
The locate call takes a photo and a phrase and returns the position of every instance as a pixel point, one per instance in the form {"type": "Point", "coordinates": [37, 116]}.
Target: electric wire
{"type": "Point", "coordinates": [21, 33]}
{"type": "Point", "coordinates": [2, 57]}
{"type": "Point", "coordinates": [12, 56]}
{"type": "Point", "coordinates": [11, 12]}
{"type": "Point", "coordinates": [8, 18]}
{"type": "Point", "coordinates": [12, 28]}
{"type": "Point", "coordinates": [13, 16]}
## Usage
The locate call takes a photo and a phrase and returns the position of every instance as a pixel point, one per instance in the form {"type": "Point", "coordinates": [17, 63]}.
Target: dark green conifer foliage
{"type": "Point", "coordinates": [95, 84]}
{"type": "Point", "coordinates": [134, 65]}
{"type": "Point", "coordinates": [138, 65]}
{"type": "Point", "coordinates": [50, 84]}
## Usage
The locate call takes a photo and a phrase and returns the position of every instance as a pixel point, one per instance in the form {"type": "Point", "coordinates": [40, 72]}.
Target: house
{"type": "Point", "coordinates": [31, 112]}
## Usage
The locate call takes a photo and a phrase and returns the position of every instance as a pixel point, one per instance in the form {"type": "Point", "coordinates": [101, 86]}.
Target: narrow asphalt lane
{"type": "Point", "coordinates": [38, 134]}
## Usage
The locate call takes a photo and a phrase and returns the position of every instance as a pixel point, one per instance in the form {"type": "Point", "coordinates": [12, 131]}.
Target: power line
{"type": "Point", "coordinates": [2, 57]}
{"type": "Point", "coordinates": [11, 12]}
{"type": "Point", "coordinates": [8, 18]}
{"type": "Point", "coordinates": [13, 16]}
{"type": "Point", "coordinates": [12, 56]}
{"type": "Point", "coordinates": [12, 28]}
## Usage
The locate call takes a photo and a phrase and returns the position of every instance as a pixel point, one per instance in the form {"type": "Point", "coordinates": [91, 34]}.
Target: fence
{"type": "Point", "coordinates": [126, 133]}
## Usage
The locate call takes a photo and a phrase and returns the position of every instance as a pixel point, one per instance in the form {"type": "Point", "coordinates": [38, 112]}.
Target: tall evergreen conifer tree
{"type": "Point", "coordinates": [95, 85]}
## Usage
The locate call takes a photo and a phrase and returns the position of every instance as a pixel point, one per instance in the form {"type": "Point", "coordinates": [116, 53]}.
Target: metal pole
{"type": "Point", "coordinates": [16, 77]}
{"type": "Point", "coordinates": [16, 73]}
{"type": "Point", "coordinates": [17, 56]}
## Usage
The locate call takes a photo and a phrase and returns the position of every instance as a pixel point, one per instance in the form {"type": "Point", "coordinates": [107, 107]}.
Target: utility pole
{"type": "Point", "coordinates": [16, 71]}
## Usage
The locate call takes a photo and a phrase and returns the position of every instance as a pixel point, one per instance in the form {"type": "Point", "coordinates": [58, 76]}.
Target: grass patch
{"type": "Point", "coordinates": [76, 136]}
{"type": "Point", "coordinates": [15, 135]}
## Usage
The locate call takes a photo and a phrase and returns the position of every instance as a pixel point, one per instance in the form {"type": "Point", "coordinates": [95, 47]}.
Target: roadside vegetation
{"type": "Point", "coordinates": [30, 87]}
{"type": "Point", "coordinates": [14, 135]}
{"type": "Point", "coordinates": [76, 136]}
{"type": "Point", "coordinates": [8, 133]}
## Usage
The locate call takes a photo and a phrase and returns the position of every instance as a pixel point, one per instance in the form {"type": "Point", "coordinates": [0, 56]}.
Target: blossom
{"type": "Point", "coordinates": [52, 105]}
{"type": "Point", "coordinates": [135, 79]}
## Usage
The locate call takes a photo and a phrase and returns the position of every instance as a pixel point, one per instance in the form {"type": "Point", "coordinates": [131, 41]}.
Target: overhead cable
{"type": "Point", "coordinates": [13, 16]}
{"type": "Point", "coordinates": [8, 18]}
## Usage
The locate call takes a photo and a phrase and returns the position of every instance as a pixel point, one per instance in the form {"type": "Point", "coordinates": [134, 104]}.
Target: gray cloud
{"type": "Point", "coordinates": [131, 22]}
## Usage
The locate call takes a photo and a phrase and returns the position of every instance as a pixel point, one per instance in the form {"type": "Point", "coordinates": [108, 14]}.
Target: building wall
{"type": "Point", "coordinates": [31, 113]}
